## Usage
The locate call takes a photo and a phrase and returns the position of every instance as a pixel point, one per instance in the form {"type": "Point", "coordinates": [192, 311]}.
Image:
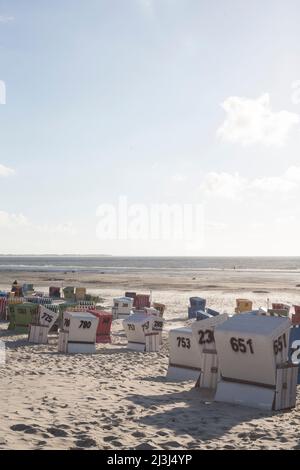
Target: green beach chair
{"type": "Point", "coordinates": [21, 315]}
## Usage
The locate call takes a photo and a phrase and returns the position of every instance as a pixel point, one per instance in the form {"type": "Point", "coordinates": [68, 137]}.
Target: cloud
{"type": "Point", "coordinates": [12, 220]}
{"type": "Point", "coordinates": [272, 184]}
{"type": "Point", "coordinates": [247, 215]}
{"type": "Point", "coordinates": [252, 121]}
{"type": "Point", "coordinates": [233, 186]}
{"type": "Point", "coordinates": [66, 228]}
{"type": "Point", "coordinates": [223, 184]}
{"type": "Point", "coordinates": [287, 182]}
{"type": "Point", "coordinates": [6, 19]}
{"type": "Point", "coordinates": [5, 171]}
{"type": "Point", "coordinates": [293, 173]}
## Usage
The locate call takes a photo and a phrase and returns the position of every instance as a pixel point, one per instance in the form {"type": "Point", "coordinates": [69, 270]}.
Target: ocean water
{"type": "Point", "coordinates": [115, 264]}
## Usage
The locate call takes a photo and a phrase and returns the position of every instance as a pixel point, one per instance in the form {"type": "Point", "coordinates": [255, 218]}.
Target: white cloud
{"type": "Point", "coordinates": [285, 183]}
{"type": "Point", "coordinates": [293, 173]}
{"type": "Point", "coordinates": [273, 184]}
{"type": "Point", "coordinates": [252, 121]}
{"type": "Point", "coordinates": [223, 184]}
{"type": "Point", "coordinates": [66, 228]}
{"type": "Point", "coordinates": [12, 220]}
{"type": "Point", "coordinates": [20, 235]}
{"type": "Point", "coordinates": [6, 171]}
{"type": "Point", "coordinates": [252, 215]}
{"type": "Point", "coordinates": [234, 186]}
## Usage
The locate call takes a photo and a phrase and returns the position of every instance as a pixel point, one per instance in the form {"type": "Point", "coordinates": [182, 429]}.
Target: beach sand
{"type": "Point", "coordinates": [118, 399]}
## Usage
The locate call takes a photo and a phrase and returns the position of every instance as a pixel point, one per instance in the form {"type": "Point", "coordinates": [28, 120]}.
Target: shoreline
{"type": "Point", "coordinates": [227, 281]}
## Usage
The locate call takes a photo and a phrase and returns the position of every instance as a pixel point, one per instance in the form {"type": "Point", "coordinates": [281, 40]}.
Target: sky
{"type": "Point", "coordinates": [190, 103]}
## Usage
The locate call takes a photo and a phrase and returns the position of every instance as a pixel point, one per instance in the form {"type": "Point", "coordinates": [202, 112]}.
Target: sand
{"type": "Point", "coordinates": [117, 399]}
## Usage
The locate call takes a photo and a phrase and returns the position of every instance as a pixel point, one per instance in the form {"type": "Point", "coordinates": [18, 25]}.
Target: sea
{"type": "Point", "coordinates": [117, 264]}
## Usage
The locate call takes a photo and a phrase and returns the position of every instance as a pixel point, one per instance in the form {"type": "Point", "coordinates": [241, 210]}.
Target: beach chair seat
{"type": "Point", "coordinates": [122, 307]}
{"type": "Point", "coordinates": [38, 334]}
{"type": "Point", "coordinates": [203, 333]}
{"type": "Point", "coordinates": [197, 304]}
{"type": "Point", "coordinates": [103, 334]}
{"type": "Point", "coordinates": [44, 320]}
{"type": "Point", "coordinates": [69, 293]}
{"type": "Point", "coordinates": [243, 305]}
{"type": "Point", "coordinates": [152, 343]}
{"type": "Point", "coordinates": [54, 292]}
{"type": "Point", "coordinates": [3, 308]}
{"type": "Point", "coordinates": [184, 355]}
{"type": "Point", "coordinates": [160, 307]}
{"type": "Point", "coordinates": [141, 301]}
{"type": "Point", "coordinates": [80, 293]}
{"type": "Point", "coordinates": [78, 334]}
{"type": "Point", "coordinates": [136, 327]}
{"type": "Point", "coordinates": [253, 358]}
{"type": "Point", "coordinates": [21, 316]}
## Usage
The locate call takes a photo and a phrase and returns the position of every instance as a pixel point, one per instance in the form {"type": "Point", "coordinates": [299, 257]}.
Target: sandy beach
{"type": "Point", "coordinates": [119, 399]}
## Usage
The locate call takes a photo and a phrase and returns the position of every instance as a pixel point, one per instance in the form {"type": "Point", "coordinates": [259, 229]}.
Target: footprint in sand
{"type": "Point", "coordinates": [64, 426]}
{"type": "Point", "coordinates": [41, 443]}
{"type": "Point", "coordinates": [116, 423]}
{"type": "Point", "coordinates": [23, 428]}
{"type": "Point", "coordinates": [243, 435]}
{"type": "Point", "coordinates": [138, 434]}
{"type": "Point", "coordinates": [145, 446]}
{"type": "Point", "coordinates": [116, 444]}
{"type": "Point", "coordinates": [31, 430]}
{"type": "Point", "coordinates": [57, 432]}
{"type": "Point", "coordinates": [171, 444]}
{"type": "Point", "coordinates": [162, 433]}
{"type": "Point", "coordinates": [109, 438]}
{"type": "Point", "coordinates": [86, 442]}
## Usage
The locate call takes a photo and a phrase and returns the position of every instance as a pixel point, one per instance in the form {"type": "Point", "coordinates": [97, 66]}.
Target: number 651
{"type": "Point", "coordinates": [241, 345]}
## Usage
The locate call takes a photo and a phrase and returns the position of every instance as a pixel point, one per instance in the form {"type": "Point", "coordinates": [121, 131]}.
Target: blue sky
{"type": "Point", "coordinates": [124, 97]}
